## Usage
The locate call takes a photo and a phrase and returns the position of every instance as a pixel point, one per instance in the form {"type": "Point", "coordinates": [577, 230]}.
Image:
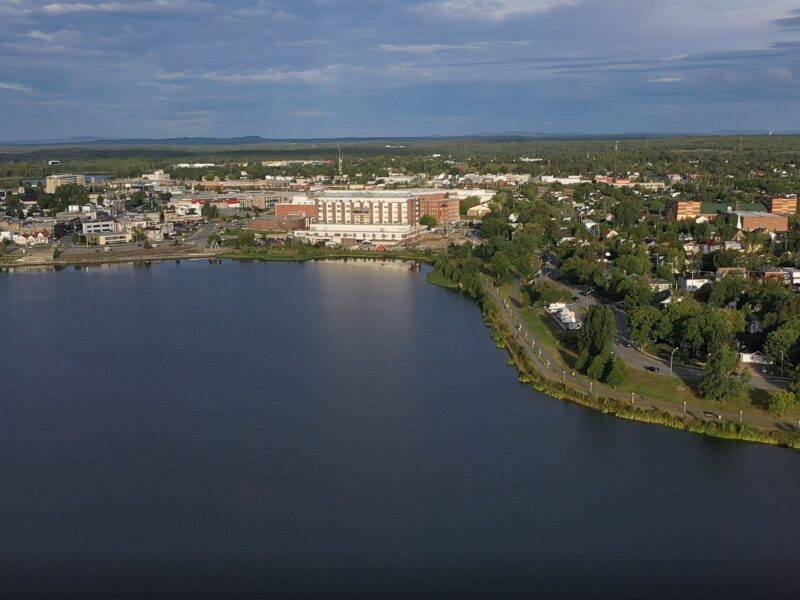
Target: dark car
{"type": "Point", "coordinates": [652, 369]}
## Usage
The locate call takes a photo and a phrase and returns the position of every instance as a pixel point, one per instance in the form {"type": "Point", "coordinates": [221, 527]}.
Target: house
{"type": "Point", "coordinates": [665, 298]}
{"type": "Point", "coordinates": [478, 211]}
{"type": "Point", "coordinates": [693, 282]}
{"type": "Point", "coordinates": [754, 358]}
{"type": "Point", "coordinates": [591, 226]}
{"type": "Point", "coordinates": [710, 246]}
{"type": "Point", "coordinates": [725, 271]}
{"type": "Point", "coordinates": [691, 248]}
{"type": "Point", "coordinates": [767, 275]}
{"type": "Point", "coordinates": [660, 285]}
{"type": "Point", "coordinates": [733, 245]}
{"type": "Point", "coordinates": [793, 275]}
{"type": "Point", "coordinates": [31, 238]}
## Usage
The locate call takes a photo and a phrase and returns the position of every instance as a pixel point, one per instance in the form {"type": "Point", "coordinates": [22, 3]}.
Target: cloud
{"type": "Point", "coordinates": [496, 10]}
{"type": "Point", "coordinates": [14, 87]}
{"type": "Point", "coordinates": [792, 22]}
{"type": "Point", "coordinates": [433, 48]}
{"type": "Point", "coordinates": [666, 80]}
{"type": "Point", "coordinates": [64, 8]}
{"type": "Point", "coordinates": [311, 113]}
{"type": "Point", "coordinates": [276, 75]}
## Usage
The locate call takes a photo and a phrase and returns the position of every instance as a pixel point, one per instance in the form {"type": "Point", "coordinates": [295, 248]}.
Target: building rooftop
{"type": "Point", "coordinates": [757, 213]}
{"type": "Point", "coordinates": [711, 208]}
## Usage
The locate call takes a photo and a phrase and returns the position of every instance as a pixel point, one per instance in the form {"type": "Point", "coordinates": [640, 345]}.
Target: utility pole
{"type": "Point", "coordinates": [671, 355]}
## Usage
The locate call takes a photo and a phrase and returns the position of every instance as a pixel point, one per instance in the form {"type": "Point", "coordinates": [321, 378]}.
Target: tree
{"type": "Point", "coordinates": [209, 211]}
{"type": "Point", "coordinates": [598, 366]}
{"type": "Point", "coordinates": [616, 371]}
{"type": "Point", "coordinates": [467, 203]}
{"type": "Point", "coordinates": [727, 258]}
{"type": "Point", "coordinates": [138, 197]}
{"type": "Point", "coordinates": [429, 221]}
{"type": "Point", "coordinates": [643, 322]}
{"type": "Point", "coordinates": [627, 212]}
{"type": "Point", "coordinates": [781, 402]}
{"type": "Point", "coordinates": [633, 264]}
{"type": "Point", "coordinates": [727, 290]}
{"type": "Point", "coordinates": [720, 381]}
{"type": "Point", "coordinates": [503, 266]}
{"type": "Point", "coordinates": [781, 341]}
{"type": "Point", "coordinates": [636, 292]}
{"type": "Point", "coordinates": [545, 292]}
{"type": "Point", "coordinates": [596, 340]}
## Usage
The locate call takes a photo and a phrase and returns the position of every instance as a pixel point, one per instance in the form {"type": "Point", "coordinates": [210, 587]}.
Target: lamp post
{"type": "Point", "coordinates": [781, 363]}
{"type": "Point", "coordinates": [671, 355]}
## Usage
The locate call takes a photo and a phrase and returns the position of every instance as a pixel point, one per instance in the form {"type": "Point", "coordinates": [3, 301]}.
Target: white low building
{"type": "Point", "coordinates": [98, 227]}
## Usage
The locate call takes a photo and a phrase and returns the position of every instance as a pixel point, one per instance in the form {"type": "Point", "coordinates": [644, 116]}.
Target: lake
{"type": "Point", "coordinates": [342, 429]}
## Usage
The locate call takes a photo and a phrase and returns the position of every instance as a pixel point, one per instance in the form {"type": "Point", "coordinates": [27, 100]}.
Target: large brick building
{"type": "Point", "coordinates": [441, 207]}
{"type": "Point", "coordinates": [782, 205]}
{"type": "Point", "coordinates": [686, 209]}
{"type": "Point", "coordinates": [750, 221]}
{"type": "Point", "coordinates": [298, 207]}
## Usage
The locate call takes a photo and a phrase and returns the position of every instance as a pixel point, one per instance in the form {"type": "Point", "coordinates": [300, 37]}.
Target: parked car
{"type": "Point", "coordinates": [652, 369]}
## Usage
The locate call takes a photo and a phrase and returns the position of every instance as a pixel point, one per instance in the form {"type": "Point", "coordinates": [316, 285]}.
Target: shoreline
{"type": "Point", "coordinates": [255, 257]}
{"type": "Point", "coordinates": [529, 375]}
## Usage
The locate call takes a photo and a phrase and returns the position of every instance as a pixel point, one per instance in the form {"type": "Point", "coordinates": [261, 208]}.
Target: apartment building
{"type": "Point", "coordinates": [386, 218]}
{"type": "Point", "coordinates": [53, 182]}
{"type": "Point", "coordinates": [782, 205]}
{"type": "Point", "coordinates": [442, 207]}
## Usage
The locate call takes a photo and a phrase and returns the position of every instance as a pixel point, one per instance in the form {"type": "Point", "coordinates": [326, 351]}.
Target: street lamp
{"type": "Point", "coordinates": [671, 355]}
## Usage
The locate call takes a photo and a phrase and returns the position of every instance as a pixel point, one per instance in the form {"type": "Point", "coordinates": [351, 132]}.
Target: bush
{"type": "Point", "coordinates": [781, 402]}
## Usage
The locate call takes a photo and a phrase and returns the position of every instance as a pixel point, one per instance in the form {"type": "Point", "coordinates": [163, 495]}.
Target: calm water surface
{"type": "Point", "coordinates": [344, 430]}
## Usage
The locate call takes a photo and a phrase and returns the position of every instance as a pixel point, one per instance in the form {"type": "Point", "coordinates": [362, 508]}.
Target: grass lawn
{"type": "Point", "coordinates": [650, 385]}
{"type": "Point", "coordinates": [436, 278]}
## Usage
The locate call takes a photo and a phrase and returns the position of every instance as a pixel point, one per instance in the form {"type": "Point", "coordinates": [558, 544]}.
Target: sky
{"type": "Point", "coordinates": [328, 68]}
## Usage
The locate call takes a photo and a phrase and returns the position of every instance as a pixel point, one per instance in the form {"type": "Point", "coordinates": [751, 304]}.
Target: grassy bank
{"type": "Point", "coordinates": [666, 390]}
{"type": "Point", "coordinates": [529, 375]}
{"type": "Point", "coordinates": [436, 278]}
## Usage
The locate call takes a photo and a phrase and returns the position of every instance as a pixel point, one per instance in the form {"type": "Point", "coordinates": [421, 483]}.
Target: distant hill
{"type": "Point", "coordinates": [258, 140]}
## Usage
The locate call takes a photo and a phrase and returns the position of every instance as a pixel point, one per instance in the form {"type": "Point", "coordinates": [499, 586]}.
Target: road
{"type": "Point", "coordinates": [636, 358]}
{"type": "Point", "coordinates": [200, 237]}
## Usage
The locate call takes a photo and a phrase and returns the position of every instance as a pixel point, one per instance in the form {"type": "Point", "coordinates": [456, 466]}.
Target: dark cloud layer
{"type": "Point", "coordinates": [380, 67]}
